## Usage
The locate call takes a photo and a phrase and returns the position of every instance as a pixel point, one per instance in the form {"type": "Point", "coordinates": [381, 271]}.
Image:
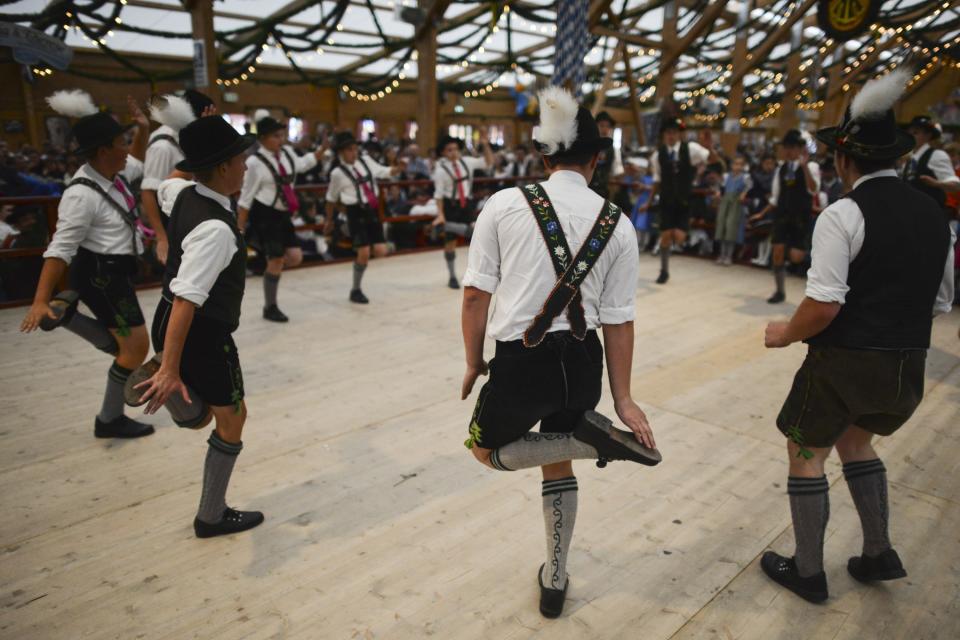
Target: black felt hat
{"type": "Point", "coordinates": [671, 124]}
{"type": "Point", "coordinates": [97, 130]}
{"type": "Point", "coordinates": [793, 138]}
{"type": "Point", "coordinates": [208, 141]}
{"type": "Point", "coordinates": [448, 139]}
{"type": "Point", "coordinates": [925, 122]}
{"type": "Point", "coordinates": [268, 124]}
{"type": "Point", "coordinates": [603, 116]}
{"type": "Point", "coordinates": [342, 140]}
{"type": "Point", "coordinates": [198, 101]}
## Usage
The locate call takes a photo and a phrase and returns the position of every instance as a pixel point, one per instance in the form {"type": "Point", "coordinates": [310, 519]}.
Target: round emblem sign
{"type": "Point", "coordinates": [845, 19]}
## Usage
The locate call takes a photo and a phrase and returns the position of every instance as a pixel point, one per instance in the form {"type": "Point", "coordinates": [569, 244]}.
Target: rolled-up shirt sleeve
{"type": "Point", "coordinates": [305, 162]}
{"type": "Point", "coordinates": [336, 185]}
{"type": "Point", "coordinates": [619, 295]}
{"type": "Point", "coordinates": [441, 183]}
{"type": "Point", "coordinates": [74, 217]}
{"type": "Point", "coordinates": [944, 301]}
{"type": "Point", "coordinates": [483, 261]}
{"type": "Point", "coordinates": [251, 184]}
{"type": "Point", "coordinates": [207, 250]}
{"type": "Point", "coordinates": [835, 244]}
{"type": "Point", "coordinates": [941, 167]}
{"type": "Point", "coordinates": [160, 159]}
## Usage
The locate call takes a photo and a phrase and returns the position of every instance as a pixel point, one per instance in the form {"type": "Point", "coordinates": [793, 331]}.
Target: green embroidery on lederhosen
{"type": "Point", "coordinates": [793, 432]}
{"type": "Point", "coordinates": [236, 382]}
{"type": "Point", "coordinates": [475, 431]}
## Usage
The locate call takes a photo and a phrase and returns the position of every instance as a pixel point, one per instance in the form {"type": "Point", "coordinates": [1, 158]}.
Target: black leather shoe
{"type": "Point", "coordinates": [783, 571]}
{"type": "Point", "coordinates": [233, 521]}
{"type": "Point", "coordinates": [886, 566]}
{"type": "Point", "coordinates": [357, 296]}
{"type": "Point", "coordinates": [663, 277]}
{"type": "Point", "coordinates": [273, 314]}
{"type": "Point", "coordinates": [611, 443]}
{"type": "Point", "coordinates": [64, 305]}
{"type": "Point", "coordinates": [776, 298]}
{"type": "Point", "coordinates": [453, 284]}
{"type": "Point", "coordinates": [122, 427]}
{"type": "Point", "coordinates": [551, 600]}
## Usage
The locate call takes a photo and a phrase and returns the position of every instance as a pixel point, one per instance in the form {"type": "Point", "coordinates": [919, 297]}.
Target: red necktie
{"type": "Point", "coordinates": [129, 199]}
{"type": "Point", "coordinates": [293, 205]}
{"type": "Point", "coordinates": [367, 191]}
{"type": "Point", "coordinates": [460, 194]}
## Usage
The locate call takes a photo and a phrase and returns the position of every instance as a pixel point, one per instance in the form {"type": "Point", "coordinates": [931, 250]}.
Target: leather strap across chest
{"type": "Point", "coordinates": [278, 180]}
{"type": "Point", "coordinates": [571, 269]}
{"type": "Point", "coordinates": [128, 216]}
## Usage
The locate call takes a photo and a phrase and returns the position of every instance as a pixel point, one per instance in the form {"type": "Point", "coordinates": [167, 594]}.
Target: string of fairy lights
{"type": "Point", "coordinates": [889, 44]}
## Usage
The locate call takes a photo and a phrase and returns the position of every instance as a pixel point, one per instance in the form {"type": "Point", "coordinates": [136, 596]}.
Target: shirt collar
{"type": "Point", "coordinates": [919, 152]}
{"type": "Point", "coordinates": [883, 173]}
{"type": "Point", "coordinates": [568, 177]}
{"type": "Point", "coordinates": [219, 198]}
{"type": "Point", "coordinates": [92, 174]}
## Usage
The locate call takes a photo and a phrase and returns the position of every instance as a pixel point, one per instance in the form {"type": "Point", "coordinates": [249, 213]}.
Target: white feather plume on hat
{"type": "Point", "coordinates": [260, 114]}
{"type": "Point", "coordinates": [173, 111]}
{"type": "Point", "coordinates": [558, 120]}
{"type": "Point", "coordinates": [879, 95]}
{"type": "Point", "coordinates": [72, 103]}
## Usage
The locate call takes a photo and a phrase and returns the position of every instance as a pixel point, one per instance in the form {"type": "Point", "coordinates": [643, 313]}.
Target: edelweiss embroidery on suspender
{"type": "Point", "coordinates": [128, 216]}
{"type": "Point", "coordinates": [278, 180]}
{"type": "Point", "coordinates": [571, 270]}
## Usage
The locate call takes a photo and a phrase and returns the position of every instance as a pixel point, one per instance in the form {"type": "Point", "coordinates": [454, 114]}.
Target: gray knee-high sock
{"type": "Point", "coordinates": [271, 283]}
{"type": "Point", "coordinates": [113, 402]}
{"type": "Point", "coordinates": [779, 276]}
{"type": "Point", "coordinates": [665, 258]}
{"type": "Point", "coordinates": [358, 270]}
{"type": "Point", "coordinates": [538, 449]}
{"type": "Point", "coordinates": [93, 331]}
{"type": "Point", "coordinates": [559, 516]}
{"type": "Point", "coordinates": [728, 247]}
{"type": "Point", "coordinates": [451, 257]}
{"type": "Point", "coordinates": [810, 508]}
{"type": "Point", "coordinates": [221, 456]}
{"type": "Point", "coordinates": [867, 482]}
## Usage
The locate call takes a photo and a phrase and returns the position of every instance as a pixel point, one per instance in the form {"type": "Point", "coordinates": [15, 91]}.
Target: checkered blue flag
{"type": "Point", "coordinates": [571, 44]}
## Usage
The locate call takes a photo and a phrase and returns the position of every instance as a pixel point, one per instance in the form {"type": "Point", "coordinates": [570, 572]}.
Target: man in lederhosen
{"type": "Point", "coordinates": [270, 200]}
{"type": "Point", "coordinates": [880, 272]}
{"type": "Point", "coordinates": [173, 112]}
{"type": "Point", "coordinates": [97, 238]}
{"type": "Point", "coordinates": [610, 164]}
{"type": "Point", "coordinates": [453, 192]}
{"type": "Point", "coordinates": [674, 167]}
{"type": "Point", "coordinates": [196, 373]}
{"type": "Point", "coordinates": [796, 183]}
{"type": "Point", "coordinates": [563, 263]}
{"type": "Point", "coordinates": [353, 184]}
{"type": "Point", "coordinates": [928, 169]}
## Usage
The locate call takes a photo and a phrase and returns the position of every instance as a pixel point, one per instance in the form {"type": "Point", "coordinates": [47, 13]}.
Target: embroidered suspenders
{"type": "Point", "coordinates": [278, 180]}
{"type": "Point", "coordinates": [356, 183]}
{"type": "Point", "coordinates": [128, 216]}
{"type": "Point", "coordinates": [571, 270]}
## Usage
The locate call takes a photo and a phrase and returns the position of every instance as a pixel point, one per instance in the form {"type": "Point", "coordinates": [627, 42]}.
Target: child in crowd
{"type": "Point", "coordinates": [731, 209]}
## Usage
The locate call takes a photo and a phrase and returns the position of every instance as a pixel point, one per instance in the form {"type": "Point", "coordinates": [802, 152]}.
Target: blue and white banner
{"type": "Point", "coordinates": [571, 44]}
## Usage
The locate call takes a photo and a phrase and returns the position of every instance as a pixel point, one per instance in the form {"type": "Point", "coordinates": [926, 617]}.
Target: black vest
{"type": "Point", "coordinates": [895, 278]}
{"type": "Point", "coordinates": [223, 304]}
{"type": "Point", "coordinates": [676, 176]}
{"type": "Point", "coordinates": [601, 175]}
{"type": "Point", "coordinates": [913, 172]}
{"type": "Point", "coordinates": [794, 199]}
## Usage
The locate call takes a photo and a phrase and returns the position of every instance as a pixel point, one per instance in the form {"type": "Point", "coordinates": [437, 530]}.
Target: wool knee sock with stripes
{"type": "Point", "coordinates": [559, 516]}
{"type": "Point", "coordinates": [538, 449]}
{"type": "Point", "coordinates": [810, 509]}
{"type": "Point", "coordinates": [867, 481]}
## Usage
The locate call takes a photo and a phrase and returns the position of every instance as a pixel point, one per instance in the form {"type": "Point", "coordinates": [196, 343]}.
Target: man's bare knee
{"type": "Point", "coordinates": [482, 455]}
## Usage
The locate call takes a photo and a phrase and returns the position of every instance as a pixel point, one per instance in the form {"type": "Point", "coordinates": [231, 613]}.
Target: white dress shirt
{"type": "Point", "coordinates": [133, 170]}
{"type": "Point", "coordinates": [939, 164]}
{"type": "Point", "coordinates": [698, 155]}
{"type": "Point", "coordinates": [161, 159]}
{"type": "Point", "coordinates": [8, 234]}
{"type": "Point", "coordinates": [85, 219]}
{"type": "Point", "coordinates": [258, 182]}
{"type": "Point", "coordinates": [443, 185]}
{"type": "Point", "coordinates": [168, 192]}
{"type": "Point", "coordinates": [509, 257]}
{"type": "Point", "coordinates": [837, 240]}
{"type": "Point", "coordinates": [341, 188]}
{"type": "Point", "coordinates": [207, 250]}
{"type": "Point", "coordinates": [814, 173]}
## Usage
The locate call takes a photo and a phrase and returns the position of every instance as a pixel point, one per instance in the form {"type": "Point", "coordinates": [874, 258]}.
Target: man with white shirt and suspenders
{"type": "Point", "coordinates": [98, 238]}
{"type": "Point", "coordinates": [270, 201]}
{"type": "Point", "coordinates": [551, 298]}
{"type": "Point", "coordinates": [929, 169]}
{"type": "Point", "coordinates": [353, 185]}
{"type": "Point", "coordinates": [453, 192]}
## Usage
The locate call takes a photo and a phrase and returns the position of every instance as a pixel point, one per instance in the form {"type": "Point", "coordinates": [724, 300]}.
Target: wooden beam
{"type": "Point", "coordinates": [848, 79]}
{"type": "Point", "coordinates": [642, 41]}
{"type": "Point", "coordinates": [201, 21]}
{"type": "Point", "coordinates": [665, 83]}
{"type": "Point", "coordinates": [773, 40]}
{"type": "Point", "coordinates": [597, 8]}
{"type": "Point", "coordinates": [731, 133]}
{"type": "Point", "coordinates": [429, 95]}
{"type": "Point", "coordinates": [634, 101]}
{"type": "Point", "coordinates": [787, 118]}
{"type": "Point", "coordinates": [709, 17]}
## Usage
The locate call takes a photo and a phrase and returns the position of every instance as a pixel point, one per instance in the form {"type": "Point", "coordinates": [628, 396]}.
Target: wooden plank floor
{"type": "Point", "coordinates": [380, 524]}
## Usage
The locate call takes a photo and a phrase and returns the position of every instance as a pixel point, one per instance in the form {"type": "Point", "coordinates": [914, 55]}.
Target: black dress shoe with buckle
{"type": "Point", "coordinates": [784, 572]}
{"type": "Point", "coordinates": [64, 305]}
{"type": "Point", "coordinates": [663, 277]}
{"type": "Point", "coordinates": [356, 296]}
{"type": "Point", "coordinates": [273, 314]}
{"type": "Point", "coordinates": [886, 566]}
{"type": "Point", "coordinates": [453, 284]}
{"type": "Point", "coordinates": [776, 298]}
{"type": "Point", "coordinates": [551, 600]}
{"type": "Point", "coordinates": [611, 443]}
{"type": "Point", "coordinates": [122, 427]}
{"type": "Point", "coordinates": [233, 521]}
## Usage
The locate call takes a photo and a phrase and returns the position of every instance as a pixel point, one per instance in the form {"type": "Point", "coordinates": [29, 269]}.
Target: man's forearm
{"type": "Point", "coordinates": [810, 319]}
{"type": "Point", "coordinates": [152, 209]}
{"type": "Point", "coordinates": [181, 317]}
{"type": "Point", "coordinates": [618, 344]}
{"type": "Point", "coordinates": [242, 214]}
{"type": "Point", "coordinates": [53, 270]}
{"type": "Point", "coordinates": [476, 304]}
{"type": "Point", "coordinates": [138, 147]}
